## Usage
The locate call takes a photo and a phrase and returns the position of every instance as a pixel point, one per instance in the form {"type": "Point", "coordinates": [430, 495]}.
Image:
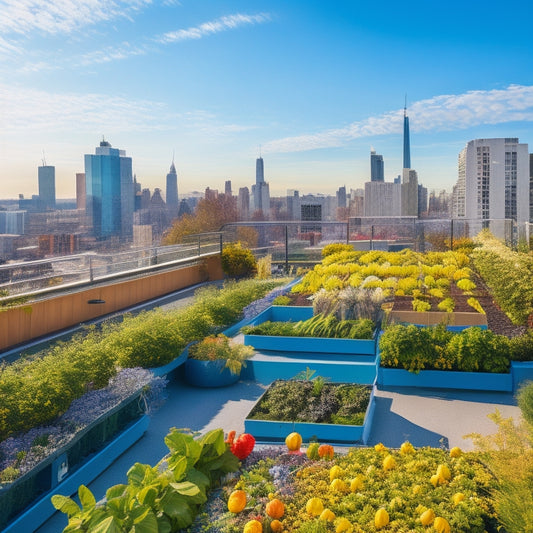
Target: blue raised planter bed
{"type": "Point", "coordinates": [161, 371]}
{"type": "Point", "coordinates": [303, 344]}
{"type": "Point", "coordinates": [522, 371]}
{"type": "Point", "coordinates": [445, 379]}
{"type": "Point", "coordinates": [267, 431]}
{"type": "Point", "coordinates": [209, 373]}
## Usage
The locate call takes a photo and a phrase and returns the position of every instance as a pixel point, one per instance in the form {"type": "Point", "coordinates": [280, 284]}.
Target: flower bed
{"type": "Point", "coordinates": [366, 490]}
{"type": "Point", "coordinates": [329, 412]}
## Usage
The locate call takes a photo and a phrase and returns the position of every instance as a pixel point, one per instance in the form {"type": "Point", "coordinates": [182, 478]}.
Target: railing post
{"type": "Point", "coordinates": [221, 242]}
{"type": "Point", "coordinates": [451, 234]}
{"type": "Point", "coordinates": [286, 249]}
{"type": "Point", "coordinates": [91, 278]}
{"type": "Point", "coordinates": [348, 232]}
{"type": "Point", "coordinates": [199, 247]}
{"type": "Point", "coordinates": [372, 237]}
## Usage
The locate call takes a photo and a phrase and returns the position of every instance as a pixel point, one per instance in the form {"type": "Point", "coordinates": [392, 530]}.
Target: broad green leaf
{"type": "Point", "coordinates": [65, 505]}
{"type": "Point", "coordinates": [146, 523]}
{"type": "Point", "coordinates": [147, 495]}
{"type": "Point", "coordinates": [87, 499]}
{"type": "Point", "coordinates": [183, 445]}
{"type": "Point", "coordinates": [198, 478]}
{"type": "Point", "coordinates": [215, 438]}
{"type": "Point", "coordinates": [116, 491]}
{"type": "Point", "coordinates": [106, 526]}
{"type": "Point", "coordinates": [186, 488]}
{"type": "Point", "coordinates": [163, 524]}
{"type": "Point", "coordinates": [175, 505]}
{"type": "Point", "coordinates": [137, 474]}
{"type": "Point", "coordinates": [178, 465]}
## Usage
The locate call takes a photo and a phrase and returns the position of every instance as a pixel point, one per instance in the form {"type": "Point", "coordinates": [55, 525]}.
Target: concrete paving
{"type": "Point", "coordinates": [424, 417]}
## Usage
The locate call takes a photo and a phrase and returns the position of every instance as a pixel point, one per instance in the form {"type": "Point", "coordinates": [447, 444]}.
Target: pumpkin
{"type": "Point", "coordinates": [326, 451]}
{"type": "Point", "coordinates": [327, 515]}
{"type": "Point", "coordinates": [444, 472]}
{"type": "Point", "coordinates": [381, 519]}
{"type": "Point", "coordinates": [253, 526]}
{"type": "Point", "coordinates": [427, 517]}
{"type": "Point", "coordinates": [389, 463]}
{"type": "Point", "coordinates": [441, 525]}
{"type": "Point", "coordinates": [276, 526]}
{"type": "Point", "coordinates": [293, 441]}
{"type": "Point", "coordinates": [457, 498]}
{"type": "Point", "coordinates": [314, 506]}
{"type": "Point", "coordinates": [312, 451]}
{"type": "Point", "coordinates": [237, 501]}
{"type": "Point", "coordinates": [338, 485]}
{"type": "Point", "coordinates": [407, 448]}
{"type": "Point", "coordinates": [243, 446]}
{"type": "Point", "coordinates": [275, 508]}
{"type": "Point", "coordinates": [456, 452]}
{"type": "Point", "coordinates": [343, 524]}
{"type": "Point", "coordinates": [357, 483]}
{"type": "Point", "coordinates": [380, 447]}
{"type": "Point", "coordinates": [335, 472]}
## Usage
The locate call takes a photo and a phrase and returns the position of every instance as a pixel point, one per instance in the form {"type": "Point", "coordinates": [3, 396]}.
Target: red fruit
{"type": "Point", "coordinates": [243, 446]}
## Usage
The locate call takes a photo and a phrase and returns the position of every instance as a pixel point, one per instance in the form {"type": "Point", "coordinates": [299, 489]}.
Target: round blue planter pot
{"type": "Point", "coordinates": [209, 373]}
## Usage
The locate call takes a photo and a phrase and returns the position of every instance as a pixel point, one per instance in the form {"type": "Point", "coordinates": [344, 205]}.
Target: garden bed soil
{"type": "Point", "coordinates": [300, 299]}
{"type": "Point", "coordinates": [497, 321]}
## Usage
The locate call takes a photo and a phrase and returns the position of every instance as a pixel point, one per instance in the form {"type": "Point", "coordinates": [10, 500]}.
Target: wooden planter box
{"type": "Point", "coordinates": [268, 431]}
{"type": "Point", "coordinates": [304, 344]}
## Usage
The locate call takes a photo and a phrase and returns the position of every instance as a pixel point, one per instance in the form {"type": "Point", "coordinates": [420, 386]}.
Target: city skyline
{"type": "Point", "coordinates": [311, 88]}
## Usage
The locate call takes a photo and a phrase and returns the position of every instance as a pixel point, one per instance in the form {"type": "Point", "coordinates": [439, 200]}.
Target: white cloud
{"type": "Point", "coordinates": [62, 16]}
{"type": "Point", "coordinates": [229, 22]}
{"type": "Point", "coordinates": [440, 113]}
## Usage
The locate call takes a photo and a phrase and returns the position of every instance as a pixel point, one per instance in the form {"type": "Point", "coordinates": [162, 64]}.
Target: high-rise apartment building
{"type": "Point", "coordinates": [493, 181]}
{"type": "Point", "coordinates": [47, 187]}
{"type": "Point", "coordinates": [377, 167]}
{"type": "Point", "coordinates": [243, 203]}
{"type": "Point", "coordinates": [81, 195]}
{"type": "Point", "coordinates": [172, 192]}
{"type": "Point", "coordinates": [109, 192]}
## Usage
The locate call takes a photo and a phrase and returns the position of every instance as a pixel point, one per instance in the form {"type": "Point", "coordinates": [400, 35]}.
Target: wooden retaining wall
{"type": "Point", "coordinates": [36, 319]}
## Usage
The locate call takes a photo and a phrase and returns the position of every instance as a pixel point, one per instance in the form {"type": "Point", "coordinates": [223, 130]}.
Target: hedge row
{"type": "Point", "coordinates": [36, 390]}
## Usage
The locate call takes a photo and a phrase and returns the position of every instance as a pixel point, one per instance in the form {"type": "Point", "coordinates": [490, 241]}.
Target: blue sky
{"type": "Point", "coordinates": [315, 84]}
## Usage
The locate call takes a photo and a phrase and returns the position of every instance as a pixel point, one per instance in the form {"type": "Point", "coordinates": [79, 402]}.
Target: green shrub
{"type": "Point", "coordinates": [525, 402]}
{"type": "Point", "coordinates": [522, 347]}
{"type": "Point", "coordinates": [264, 267]}
{"type": "Point", "coordinates": [335, 248]}
{"type": "Point", "coordinates": [282, 299]}
{"type": "Point", "coordinates": [237, 261]}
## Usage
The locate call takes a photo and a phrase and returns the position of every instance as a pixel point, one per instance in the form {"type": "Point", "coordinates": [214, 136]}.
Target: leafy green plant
{"type": "Point", "coordinates": [317, 326]}
{"type": "Point", "coordinates": [522, 347]}
{"type": "Point", "coordinates": [314, 401]}
{"type": "Point", "coordinates": [282, 299]}
{"type": "Point", "coordinates": [238, 261]}
{"type": "Point", "coordinates": [447, 305]}
{"type": "Point", "coordinates": [264, 267]}
{"type": "Point", "coordinates": [335, 248]}
{"type": "Point", "coordinates": [420, 306]}
{"type": "Point", "coordinates": [218, 347]}
{"type": "Point", "coordinates": [525, 402]}
{"type": "Point", "coordinates": [166, 497]}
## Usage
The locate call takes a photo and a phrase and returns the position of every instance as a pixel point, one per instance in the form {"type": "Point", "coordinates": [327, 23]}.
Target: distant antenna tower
{"type": "Point", "coordinates": [44, 160]}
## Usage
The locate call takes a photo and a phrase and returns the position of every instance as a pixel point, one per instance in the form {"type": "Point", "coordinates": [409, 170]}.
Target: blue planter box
{"type": "Point", "coordinates": [161, 371]}
{"type": "Point", "coordinates": [209, 373]}
{"type": "Point", "coordinates": [303, 344]}
{"type": "Point", "coordinates": [445, 379]}
{"type": "Point", "coordinates": [522, 371]}
{"type": "Point", "coordinates": [268, 431]}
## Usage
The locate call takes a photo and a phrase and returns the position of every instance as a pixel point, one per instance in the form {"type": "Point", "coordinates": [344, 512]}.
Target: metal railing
{"type": "Point", "coordinates": [288, 242]}
{"type": "Point", "coordinates": [61, 273]}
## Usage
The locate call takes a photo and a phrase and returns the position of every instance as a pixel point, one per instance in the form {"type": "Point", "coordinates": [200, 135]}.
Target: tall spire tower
{"type": "Point", "coordinates": [406, 143]}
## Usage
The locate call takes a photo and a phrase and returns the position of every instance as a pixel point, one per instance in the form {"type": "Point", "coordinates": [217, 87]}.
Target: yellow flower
{"type": "Point", "coordinates": [328, 515]}
{"type": "Point", "coordinates": [343, 524]}
{"type": "Point", "coordinates": [314, 506]}
{"type": "Point", "coordinates": [335, 472]}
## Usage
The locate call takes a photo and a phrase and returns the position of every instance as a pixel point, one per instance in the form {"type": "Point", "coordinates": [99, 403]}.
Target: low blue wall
{"type": "Point", "coordinates": [42, 510]}
{"type": "Point", "coordinates": [522, 372]}
{"type": "Point", "coordinates": [445, 379]}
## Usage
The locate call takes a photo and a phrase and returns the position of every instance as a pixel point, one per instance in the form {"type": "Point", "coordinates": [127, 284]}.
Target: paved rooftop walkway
{"type": "Point", "coordinates": [424, 417]}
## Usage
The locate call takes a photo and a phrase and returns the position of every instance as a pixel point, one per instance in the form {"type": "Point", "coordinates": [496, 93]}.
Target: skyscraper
{"type": "Point", "coordinates": [377, 170]}
{"type": "Point", "coordinates": [492, 181]}
{"type": "Point", "coordinates": [47, 187]}
{"type": "Point", "coordinates": [406, 141]}
{"type": "Point", "coordinates": [261, 191]}
{"type": "Point", "coordinates": [109, 192]}
{"type": "Point", "coordinates": [80, 191]}
{"type": "Point", "coordinates": [172, 192]}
